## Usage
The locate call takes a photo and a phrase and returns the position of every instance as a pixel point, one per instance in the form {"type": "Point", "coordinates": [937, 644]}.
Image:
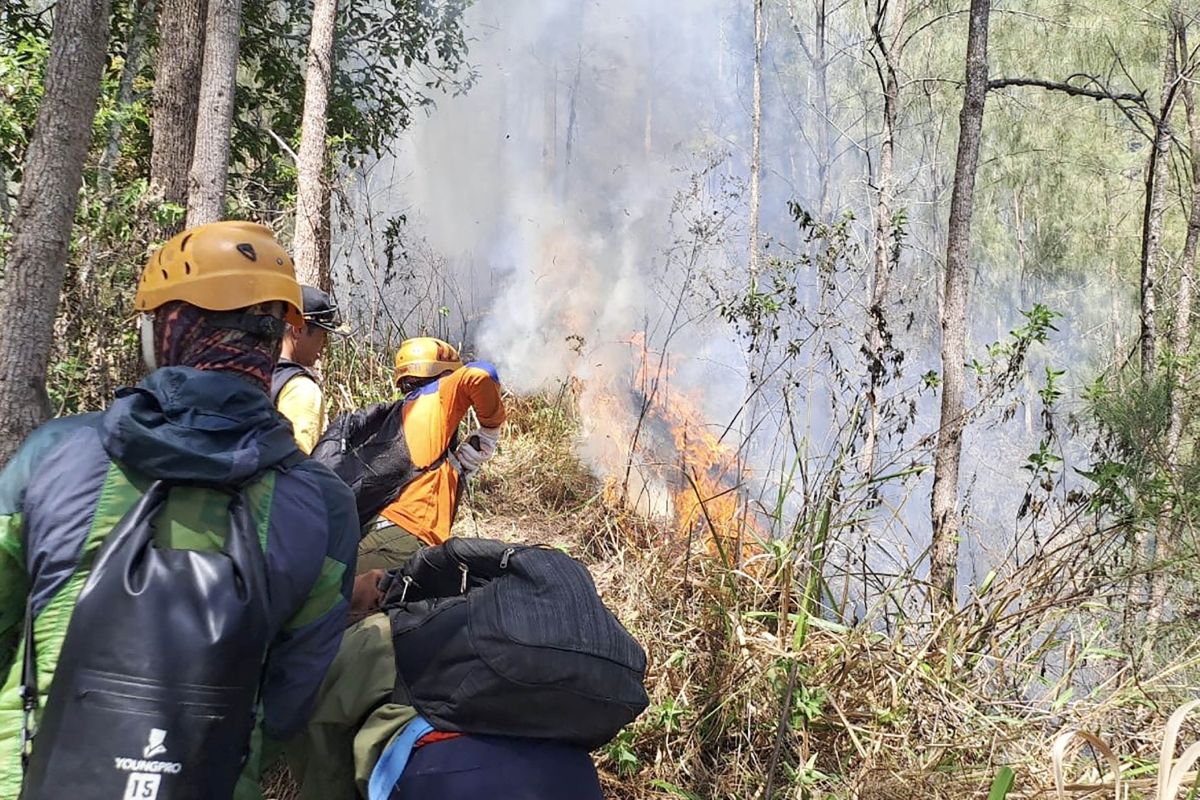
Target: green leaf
{"type": "Point", "coordinates": [673, 790]}
{"type": "Point", "coordinates": [1003, 783]}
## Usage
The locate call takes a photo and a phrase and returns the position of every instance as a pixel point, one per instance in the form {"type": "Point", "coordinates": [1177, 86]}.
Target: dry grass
{"type": "Point", "coordinates": [751, 697]}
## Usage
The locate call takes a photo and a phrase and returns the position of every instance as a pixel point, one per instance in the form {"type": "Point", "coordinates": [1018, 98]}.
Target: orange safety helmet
{"type": "Point", "coordinates": [424, 357]}
{"type": "Point", "coordinates": [222, 266]}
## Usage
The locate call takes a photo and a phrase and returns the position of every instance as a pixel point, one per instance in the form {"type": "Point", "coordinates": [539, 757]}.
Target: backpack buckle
{"type": "Point", "coordinates": [28, 723]}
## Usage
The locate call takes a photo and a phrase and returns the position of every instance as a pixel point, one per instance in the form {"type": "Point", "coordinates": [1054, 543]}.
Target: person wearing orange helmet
{"type": "Point", "coordinates": [229, 555]}
{"type": "Point", "coordinates": [438, 390]}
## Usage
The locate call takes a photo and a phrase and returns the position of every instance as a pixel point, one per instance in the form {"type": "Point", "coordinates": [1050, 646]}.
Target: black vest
{"type": "Point", "coordinates": [285, 370]}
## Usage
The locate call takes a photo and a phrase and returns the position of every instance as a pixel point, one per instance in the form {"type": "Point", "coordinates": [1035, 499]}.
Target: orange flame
{"type": "Point", "coordinates": [672, 449]}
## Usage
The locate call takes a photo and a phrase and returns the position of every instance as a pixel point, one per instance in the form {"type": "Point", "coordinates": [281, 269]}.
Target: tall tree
{"type": "Point", "coordinates": [312, 182]}
{"type": "Point", "coordinates": [1180, 338]}
{"type": "Point", "coordinates": [176, 97]}
{"type": "Point", "coordinates": [41, 227]}
{"type": "Point", "coordinates": [1156, 203]}
{"type": "Point", "coordinates": [142, 9]}
{"type": "Point", "coordinates": [943, 562]}
{"type": "Point", "coordinates": [756, 144]}
{"type": "Point", "coordinates": [887, 51]}
{"type": "Point", "coordinates": [210, 157]}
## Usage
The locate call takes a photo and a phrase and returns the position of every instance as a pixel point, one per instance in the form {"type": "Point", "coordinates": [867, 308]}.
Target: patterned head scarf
{"type": "Point", "coordinates": [185, 336]}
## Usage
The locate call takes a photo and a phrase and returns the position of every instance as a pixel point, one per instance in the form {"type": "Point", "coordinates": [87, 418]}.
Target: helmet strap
{"type": "Point", "coordinates": [267, 328]}
{"type": "Point", "coordinates": [146, 331]}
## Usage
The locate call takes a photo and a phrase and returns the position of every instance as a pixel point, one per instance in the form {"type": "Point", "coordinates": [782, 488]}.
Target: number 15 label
{"type": "Point", "coordinates": [142, 786]}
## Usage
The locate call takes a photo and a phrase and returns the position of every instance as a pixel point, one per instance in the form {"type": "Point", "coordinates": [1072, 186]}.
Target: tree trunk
{"type": "Point", "coordinates": [943, 564]}
{"type": "Point", "coordinates": [176, 98]}
{"type": "Point", "coordinates": [825, 124]}
{"type": "Point", "coordinates": [886, 251]}
{"type": "Point", "coordinates": [210, 158]}
{"type": "Point", "coordinates": [756, 144]}
{"type": "Point", "coordinates": [312, 189]}
{"type": "Point", "coordinates": [1180, 342]}
{"type": "Point", "coordinates": [133, 58]}
{"type": "Point", "coordinates": [1156, 201]}
{"type": "Point", "coordinates": [41, 229]}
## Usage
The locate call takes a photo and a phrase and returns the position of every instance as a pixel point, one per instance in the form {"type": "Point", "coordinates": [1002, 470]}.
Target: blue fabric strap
{"type": "Point", "coordinates": [391, 763]}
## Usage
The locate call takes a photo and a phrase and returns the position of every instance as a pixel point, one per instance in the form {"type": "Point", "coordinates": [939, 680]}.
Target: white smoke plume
{"type": "Point", "coordinates": [586, 201]}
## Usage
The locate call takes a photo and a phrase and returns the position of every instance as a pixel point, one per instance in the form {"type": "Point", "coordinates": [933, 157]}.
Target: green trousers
{"type": "Point", "coordinates": [386, 547]}
{"type": "Point", "coordinates": [354, 718]}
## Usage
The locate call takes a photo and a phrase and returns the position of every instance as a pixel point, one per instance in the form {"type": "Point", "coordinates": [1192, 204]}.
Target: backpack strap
{"type": "Point", "coordinates": [285, 370]}
{"type": "Point", "coordinates": [394, 759]}
{"type": "Point", "coordinates": [29, 690]}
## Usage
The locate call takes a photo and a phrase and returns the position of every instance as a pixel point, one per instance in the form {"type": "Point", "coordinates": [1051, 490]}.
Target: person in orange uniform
{"type": "Point", "coordinates": [438, 390]}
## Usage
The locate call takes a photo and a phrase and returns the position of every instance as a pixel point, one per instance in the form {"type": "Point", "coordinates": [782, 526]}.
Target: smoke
{"type": "Point", "coordinates": [561, 185]}
{"type": "Point", "coordinates": [586, 205]}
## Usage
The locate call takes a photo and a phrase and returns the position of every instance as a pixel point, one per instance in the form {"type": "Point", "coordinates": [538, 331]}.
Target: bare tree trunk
{"type": "Point", "coordinates": [756, 144]}
{"type": "Point", "coordinates": [41, 229]}
{"type": "Point", "coordinates": [312, 189]}
{"type": "Point", "coordinates": [943, 564]}
{"type": "Point", "coordinates": [1156, 201]}
{"type": "Point", "coordinates": [142, 10]}
{"type": "Point", "coordinates": [210, 158]}
{"type": "Point", "coordinates": [572, 118]}
{"type": "Point", "coordinates": [886, 251]}
{"type": "Point", "coordinates": [176, 97]}
{"type": "Point", "coordinates": [1180, 342]}
{"type": "Point", "coordinates": [825, 126]}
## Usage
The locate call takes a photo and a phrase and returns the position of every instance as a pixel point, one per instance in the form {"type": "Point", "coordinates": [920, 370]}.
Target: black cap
{"type": "Point", "coordinates": [319, 310]}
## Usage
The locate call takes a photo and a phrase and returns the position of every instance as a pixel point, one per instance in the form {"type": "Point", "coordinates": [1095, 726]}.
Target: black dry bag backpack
{"type": "Point", "coordinates": [506, 640]}
{"type": "Point", "coordinates": [367, 450]}
{"type": "Point", "coordinates": [155, 692]}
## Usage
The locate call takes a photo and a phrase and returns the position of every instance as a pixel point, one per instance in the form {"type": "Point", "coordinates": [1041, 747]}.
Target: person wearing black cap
{"type": "Point", "coordinates": [295, 387]}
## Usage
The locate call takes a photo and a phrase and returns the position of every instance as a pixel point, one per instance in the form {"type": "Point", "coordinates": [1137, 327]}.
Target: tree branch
{"type": "Point", "coordinates": [1101, 93]}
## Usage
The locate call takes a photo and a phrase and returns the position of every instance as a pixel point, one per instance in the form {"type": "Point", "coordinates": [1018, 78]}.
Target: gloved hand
{"type": "Point", "coordinates": [478, 447]}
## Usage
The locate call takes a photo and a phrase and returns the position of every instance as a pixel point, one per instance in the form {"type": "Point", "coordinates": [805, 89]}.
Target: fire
{"type": "Point", "coordinates": [646, 437]}
{"type": "Point", "coordinates": [673, 463]}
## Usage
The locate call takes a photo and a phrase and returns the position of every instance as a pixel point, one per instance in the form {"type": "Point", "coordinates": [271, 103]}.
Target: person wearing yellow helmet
{"type": "Point", "coordinates": [438, 390]}
{"type": "Point", "coordinates": [234, 542]}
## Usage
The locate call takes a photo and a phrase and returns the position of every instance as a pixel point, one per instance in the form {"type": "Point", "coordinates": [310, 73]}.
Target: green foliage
{"type": "Point", "coordinates": [22, 61]}
{"type": "Point", "coordinates": [393, 57]}
{"type": "Point", "coordinates": [1043, 463]}
{"type": "Point", "coordinates": [673, 790]}
{"type": "Point", "coordinates": [620, 751]}
{"type": "Point", "coordinates": [766, 313]}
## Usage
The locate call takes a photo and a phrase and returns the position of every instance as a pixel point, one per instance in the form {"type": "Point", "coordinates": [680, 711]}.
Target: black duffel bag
{"type": "Point", "coordinates": [507, 640]}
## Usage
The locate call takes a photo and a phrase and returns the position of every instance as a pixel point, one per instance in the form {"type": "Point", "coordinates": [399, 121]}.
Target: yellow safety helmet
{"type": "Point", "coordinates": [221, 266]}
{"type": "Point", "coordinates": [424, 357]}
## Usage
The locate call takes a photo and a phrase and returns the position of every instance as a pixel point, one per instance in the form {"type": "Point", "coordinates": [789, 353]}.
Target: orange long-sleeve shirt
{"type": "Point", "coordinates": [431, 416]}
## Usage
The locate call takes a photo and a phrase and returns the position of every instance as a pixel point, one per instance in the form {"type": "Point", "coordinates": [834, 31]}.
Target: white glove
{"type": "Point", "coordinates": [471, 458]}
